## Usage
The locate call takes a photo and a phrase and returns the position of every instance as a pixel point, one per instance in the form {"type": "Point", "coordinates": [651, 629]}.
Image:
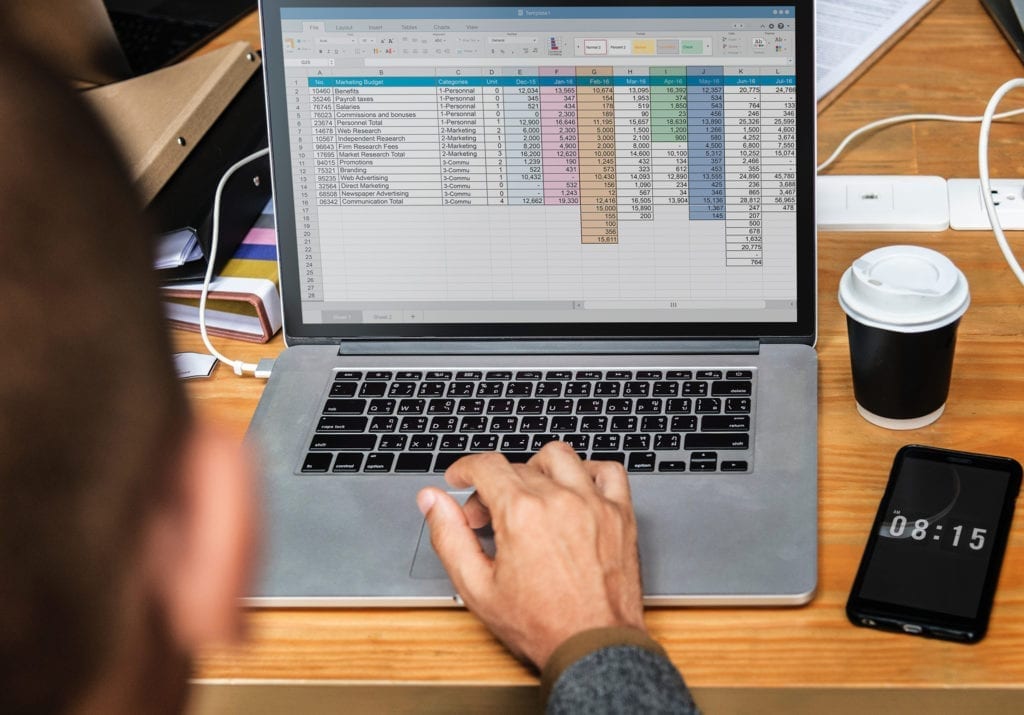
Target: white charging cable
{"type": "Point", "coordinates": [986, 186]}
{"type": "Point", "coordinates": [238, 366]}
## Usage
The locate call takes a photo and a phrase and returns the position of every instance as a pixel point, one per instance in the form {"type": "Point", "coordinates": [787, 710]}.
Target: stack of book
{"type": "Point", "coordinates": [245, 298]}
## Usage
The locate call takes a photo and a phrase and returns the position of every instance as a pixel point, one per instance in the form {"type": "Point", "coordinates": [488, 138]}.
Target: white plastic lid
{"type": "Point", "coordinates": [906, 289]}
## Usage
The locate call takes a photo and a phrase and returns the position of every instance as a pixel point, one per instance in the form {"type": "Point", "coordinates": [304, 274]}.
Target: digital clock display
{"type": "Point", "coordinates": [936, 536]}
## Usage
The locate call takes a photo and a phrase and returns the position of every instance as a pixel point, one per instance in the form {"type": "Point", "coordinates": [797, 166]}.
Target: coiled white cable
{"type": "Point", "coordinates": [238, 366]}
{"type": "Point", "coordinates": [986, 186]}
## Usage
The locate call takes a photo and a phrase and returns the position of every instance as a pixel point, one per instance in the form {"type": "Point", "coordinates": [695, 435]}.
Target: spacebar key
{"type": "Point", "coordinates": [446, 459]}
{"type": "Point", "coordinates": [717, 441]}
{"type": "Point", "coordinates": [413, 462]}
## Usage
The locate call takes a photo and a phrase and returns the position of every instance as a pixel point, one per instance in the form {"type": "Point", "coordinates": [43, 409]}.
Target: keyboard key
{"type": "Point", "coordinates": [665, 389]}
{"type": "Point", "coordinates": [717, 441]}
{"type": "Point", "coordinates": [534, 424]}
{"type": "Point", "coordinates": [539, 440]}
{"type": "Point", "coordinates": [444, 424]}
{"type": "Point", "coordinates": [446, 460]}
{"type": "Point", "coordinates": [443, 406]}
{"type": "Point", "coordinates": [341, 424]}
{"type": "Point", "coordinates": [654, 423]}
{"type": "Point", "coordinates": [648, 406]}
{"type": "Point", "coordinates": [393, 442]}
{"type": "Point", "coordinates": [624, 423]}
{"type": "Point", "coordinates": [442, 375]}
{"type": "Point", "coordinates": [469, 375]}
{"type": "Point", "coordinates": [559, 407]}
{"type": "Point", "coordinates": [379, 462]}
{"type": "Point", "coordinates": [619, 457]}
{"type": "Point", "coordinates": [648, 374]}
{"type": "Point", "coordinates": [519, 389]}
{"type": "Point", "coordinates": [528, 375]}
{"type": "Point", "coordinates": [731, 465]}
{"type": "Point", "coordinates": [348, 462]}
{"type": "Point", "coordinates": [343, 441]}
{"type": "Point", "coordinates": [679, 406]}
{"type": "Point", "coordinates": [384, 423]}
{"type": "Point", "coordinates": [709, 374]}
{"type": "Point", "coordinates": [709, 404]}
{"type": "Point", "coordinates": [500, 406]}
{"type": "Point", "coordinates": [666, 442]}
{"type": "Point", "coordinates": [737, 405]}
{"type": "Point", "coordinates": [549, 389]}
{"type": "Point", "coordinates": [344, 389]}
{"type": "Point", "coordinates": [413, 424]}
{"type": "Point", "coordinates": [344, 407]}
{"type": "Point", "coordinates": [504, 424]}
{"type": "Point", "coordinates": [402, 389]}
{"type": "Point", "coordinates": [499, 375]}
{"type": "Point", "coordinates": [470, 407]}
{"type": "Point", "coordinates": [695, 388]}
{"type": "Point", "coordinates": [607, 389]}
{"type": "Point", "coordinates": [461, 389]}
{"type": "Point", "coordinates": [317, 462]}
{"type": "Point", "coordinates": [725, 423]}
{"type": "Point", "coordinates": [413, 462]}
{"type": "Point", "coordinates": [578, 389]}
{"type": "Point", "coordinates": [679, 375]}
{"type": "Point", "coordinates": [588, 375]}
{"type": "Point", "coordinates": [412, 406]}
{"type": "Point", "coordinates": [734, 388]}
{"type": "Point", "coordinates": [597, 423]}
{"type": "Point", "coordinates": [453, 442]}
{"type": "Point", "coordinates": [409, 375]}
{"type": "Point", "coordinates": [473, 424]}
{"type": "Point", "coordinates": [379, 375]}
{"type": "Point", "coordinates": [348, 375]}
{"type": "Point", "coordinates": [605, 442]}
{"type": "Point", "coordinates": [696, 466]}
{"type": "Point", "coordinates": [484, 443]}
{"type": "Point", "coordinates": [619, 375]}
{"type": "Point", "coordinates": [640, 462]}
{"type": "Point", "coordinates": [490, 389]}
{"type": "Point", "coordinates": [514, 442]}
{"type": "Point", "coordinates": [672, 466]}
{"type": "Point", "coordinates": [619, 405]}
{"type": "Point", "coordinates": [423, 442]}
{"type": "Point", "coordinates": [381, 406]}
{"type": "Point", "coordinates": [563, 423]}
{"type": "Point", "coordinates": [373, 389]}
{"type": "Point", "coordinates": [560, 375]}
{"type": "Point", "coordinates": [579, 442]}
{"type": "Point", "coordinates": [431, 389]}
{"type": "Point", "coordinates": [519, 457]}
{"type": "Point", "coordinates": [636, 389]}
{"type": "Point", "coordinates": [636, 442]}
{"type": "Point", "coordinates": [739, 374]}
{"type": "Point", "coordinates": [589, 406]}
{"type": "Point", "coordinates": [530, 407]}
{"type": "Point", "coordinates": [684, 423]}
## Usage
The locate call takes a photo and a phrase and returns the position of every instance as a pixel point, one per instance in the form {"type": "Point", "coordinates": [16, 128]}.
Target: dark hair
{"type": "Point", "coordinates": [91, 415]}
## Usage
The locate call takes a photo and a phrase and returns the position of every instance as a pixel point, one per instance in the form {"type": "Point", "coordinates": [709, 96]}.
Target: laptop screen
{"type": "Point", "coordinates": [579, 170]}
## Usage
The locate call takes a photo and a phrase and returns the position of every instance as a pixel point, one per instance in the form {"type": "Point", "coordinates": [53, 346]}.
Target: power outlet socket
{"type": "Point", "coordinates": [967, 207]}
{"type": "Point", "coordinates": [882, 203]}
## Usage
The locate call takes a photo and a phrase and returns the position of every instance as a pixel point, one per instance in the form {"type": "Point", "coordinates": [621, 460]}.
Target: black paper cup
{"type": "Point", "coordinates": [903, 306]}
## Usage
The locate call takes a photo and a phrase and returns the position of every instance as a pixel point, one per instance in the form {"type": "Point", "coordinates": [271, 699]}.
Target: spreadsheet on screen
{"type": "Point", "coordinates": [459, 164]}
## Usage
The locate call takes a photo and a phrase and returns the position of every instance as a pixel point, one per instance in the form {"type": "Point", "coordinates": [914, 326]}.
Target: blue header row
{"type": "Point", "coordinates": [542, 12]}
{"type": "Point", "coordinates": [630, 81]}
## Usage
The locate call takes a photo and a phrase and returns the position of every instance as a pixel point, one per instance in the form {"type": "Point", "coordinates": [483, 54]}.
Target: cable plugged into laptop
{"type": "Point", "coordinates": [263, 368]}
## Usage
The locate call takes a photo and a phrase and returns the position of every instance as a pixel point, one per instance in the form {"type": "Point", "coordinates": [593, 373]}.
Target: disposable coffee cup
{"type": "Point", "coordinates": [903, 305]}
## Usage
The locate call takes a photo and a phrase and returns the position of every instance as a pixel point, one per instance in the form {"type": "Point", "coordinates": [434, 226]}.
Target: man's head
{"type": "Point", "coordinates": [123, 526]}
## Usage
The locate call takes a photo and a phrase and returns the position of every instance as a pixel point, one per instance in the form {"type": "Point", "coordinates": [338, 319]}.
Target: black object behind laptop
{"type": "Point", "coordinates": [156, 33]}
{"type": "Point", "coordinates": [1008, 20]}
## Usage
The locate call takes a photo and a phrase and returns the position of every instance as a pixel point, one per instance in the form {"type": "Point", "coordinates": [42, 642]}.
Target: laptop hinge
{"type": "Point", "coordinates": [549, 347]}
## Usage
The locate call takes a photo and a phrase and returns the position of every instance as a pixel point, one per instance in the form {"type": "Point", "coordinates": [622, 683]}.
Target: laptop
{"type": "Point", "coordinates": [502, 224]}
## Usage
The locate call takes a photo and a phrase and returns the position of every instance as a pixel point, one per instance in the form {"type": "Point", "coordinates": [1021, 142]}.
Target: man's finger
{"type": "Point", "coordinates": [611, 480]}
{"type": "Point", "coordinates": [491, 474]}
{"type": "Point", "coordinates": [469, 568]}
{"type": "Point", "coordinates": [477, 513]}
{"type": "Point", "coordinates": [561, 463]}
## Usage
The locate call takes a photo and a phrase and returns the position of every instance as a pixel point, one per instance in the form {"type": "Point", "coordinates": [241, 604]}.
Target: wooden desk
{"type": "Point", "coordinates": [806, 659]}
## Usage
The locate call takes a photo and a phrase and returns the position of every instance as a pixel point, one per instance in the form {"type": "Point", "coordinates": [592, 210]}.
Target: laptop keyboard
{"type": "Point", "coordinates": [152, 42]}
{"type": "Point", "coordinates": [421, 421]}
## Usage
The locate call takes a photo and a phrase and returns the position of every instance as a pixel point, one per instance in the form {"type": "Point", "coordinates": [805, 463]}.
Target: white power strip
{"type": "Point", "coordinates": [967, 209]}
{"type": "Point", "coordinates": [882, 203]}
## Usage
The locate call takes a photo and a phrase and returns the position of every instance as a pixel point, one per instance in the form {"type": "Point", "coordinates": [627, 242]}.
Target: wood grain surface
{"type": "Point", "coordinates": [951, 62]}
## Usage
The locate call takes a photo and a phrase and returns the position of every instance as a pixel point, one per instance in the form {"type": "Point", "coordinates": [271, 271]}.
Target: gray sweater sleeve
{"type": "Point", "coordinates": [620, 679]}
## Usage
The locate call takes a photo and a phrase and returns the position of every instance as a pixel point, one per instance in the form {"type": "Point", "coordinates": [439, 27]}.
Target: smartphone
{"type": "Point", "coordinates": [933, 556]}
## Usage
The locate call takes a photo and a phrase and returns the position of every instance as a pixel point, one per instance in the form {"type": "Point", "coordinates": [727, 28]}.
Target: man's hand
{"type": "Point", "coordinates": [566, 556]}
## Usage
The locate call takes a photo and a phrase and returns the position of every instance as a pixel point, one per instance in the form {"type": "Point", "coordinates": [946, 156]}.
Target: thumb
{"type": "Point", "coordinates": [469, 568]}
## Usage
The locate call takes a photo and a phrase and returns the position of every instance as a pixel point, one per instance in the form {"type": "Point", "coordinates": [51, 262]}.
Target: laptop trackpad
{"type": "Point", "coordinates": [426, 564]}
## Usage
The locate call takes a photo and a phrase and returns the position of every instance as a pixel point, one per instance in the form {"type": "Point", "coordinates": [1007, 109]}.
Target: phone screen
{"type": "Point", "coordinates": [938, 537]}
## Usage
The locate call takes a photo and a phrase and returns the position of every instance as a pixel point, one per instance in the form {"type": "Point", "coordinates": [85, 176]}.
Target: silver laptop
{"type": "Point", "coordinates": [501, 225]}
